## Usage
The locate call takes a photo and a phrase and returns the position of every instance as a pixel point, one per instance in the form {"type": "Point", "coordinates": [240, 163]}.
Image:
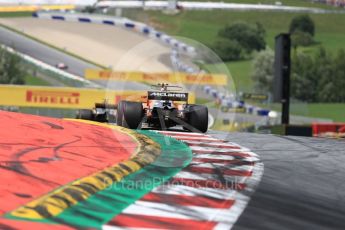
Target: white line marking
{"type": "Point", "coordinates": [191, 191]}
{"type": "Point", "coordinates": [223, 166]}
{"type": "Point", "coordinates": [217, 145]}
{"type": "Point", "coordinates": [177, 211]}
{"type": "Point", "coordinates": [207, 176]}
{"type": "Point", "coordinates": [184, 138]}
{"type": "Point", "coordinates": [181, 133]}
{"type": "Point", "coordinates": [212, 156]}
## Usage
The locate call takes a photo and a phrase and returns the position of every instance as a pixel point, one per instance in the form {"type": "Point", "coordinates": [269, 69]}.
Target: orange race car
{"type": "Point", "coordinates": [165, 107]}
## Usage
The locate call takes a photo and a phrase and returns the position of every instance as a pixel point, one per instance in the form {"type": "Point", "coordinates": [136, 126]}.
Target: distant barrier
{"type": "Point", "coordinates": [122, 22]}
{"type": "Point", "coordinates": [65, 97]}
{"type": "Point", "coordinates": [229, 103]}
{"type": "Point", "coordinates": [320, 129]}
{"type": "Point", "coordinates": [33, 8]}
{"type": "Point", "coordinates": [153, 78]}
{"type": "Point", "coordinates": [48, 2]}
{"type": "Point", "coordinates": [180, 65]}
{"type": "Point", "coordinates": [219, 5]}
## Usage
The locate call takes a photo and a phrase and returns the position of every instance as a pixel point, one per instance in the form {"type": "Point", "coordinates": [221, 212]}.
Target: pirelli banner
{"type": "Point", "coordinates": [154, 78]}
{"type": "Point", "coordinates": [68, 98]}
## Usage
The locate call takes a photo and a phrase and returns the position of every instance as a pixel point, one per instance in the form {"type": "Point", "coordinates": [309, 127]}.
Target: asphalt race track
{"type": "Point", "coordinates": [42, 52]}
{"type": "Point", "coordinates": [52, 56]}
{"type": "Point", "coordinates": [303, 186]}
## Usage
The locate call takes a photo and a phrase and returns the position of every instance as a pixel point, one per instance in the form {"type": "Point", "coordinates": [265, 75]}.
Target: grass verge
{"type": "Point", "coordinates": [15, 14]}
{"type": "Point", "coordinates": [32, 80]}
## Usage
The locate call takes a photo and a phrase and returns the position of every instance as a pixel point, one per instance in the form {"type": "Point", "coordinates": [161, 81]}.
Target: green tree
{"type": "Point", "coordinates": [324, 72]}
{"type": "Point", "coordinates": [304, 80]}
{"type": "Point", "coordinates": [228, 50]}
{"type": "Point", "coordinates": [262, 74]}
{"type": "Point", "coordinates": [11, 71]}
{"type": "Point", "coordinates": [250, 37]}
{"type": "Point", "coordinates": [340, 73]}
{"type": "Point", "coordinates": [320, 78]}
{"type": "Point", "coordinates": [332, 77]}
{"type": "Point", "coordinates": [302, 23]}
{"type": "Point", "coordinates": [299, 38]}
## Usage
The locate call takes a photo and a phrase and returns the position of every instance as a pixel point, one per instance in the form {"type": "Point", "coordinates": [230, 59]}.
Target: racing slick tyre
{"type": "Point", "coordinates": [85, 114]}
{"type": "Point", "coordinates": [129, 114]}
{"type": "Point", "coordinates": [198, 117]}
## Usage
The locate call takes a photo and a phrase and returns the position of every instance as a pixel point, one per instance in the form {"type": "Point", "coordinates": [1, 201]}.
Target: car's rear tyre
{"type": "Point", "coordinates": [129, 114]}
{"type": "Point", "coordinates": [119, 113]}
{"type": "Point", "coordinates": [198, 117]}
{"type": "Point", "coordinates": [85, 114]}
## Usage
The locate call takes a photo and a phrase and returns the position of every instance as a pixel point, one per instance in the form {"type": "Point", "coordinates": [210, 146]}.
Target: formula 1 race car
{"type": "Point", "coordinates": [164, 107]}
{"type": "Point", "coordinates": [102, 112]}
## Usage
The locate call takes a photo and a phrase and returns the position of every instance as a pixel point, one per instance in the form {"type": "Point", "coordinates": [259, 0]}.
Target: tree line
{"type": "Point", "coordinates": [11, 68]}
{"type": "Point", "coordinates": [316, 77]}
{"type": "Point", "coordinates": [238, 40]}
{"type": "Point", "coordinates": [319, 78]}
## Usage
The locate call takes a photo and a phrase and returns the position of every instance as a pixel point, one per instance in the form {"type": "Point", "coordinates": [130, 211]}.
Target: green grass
{"type": "Point", "coordinates": [336, 112]}
{"type": "Point", "coordinates": [31, 80]}
{"type": "Point", "coordinates": [241, 75]}
{"type": "Point", "coordinates": [15, 14]}
{"type": "Point", "coordinates": [300, 3]}
{"type": "Point", "coordinates": [203, 27]}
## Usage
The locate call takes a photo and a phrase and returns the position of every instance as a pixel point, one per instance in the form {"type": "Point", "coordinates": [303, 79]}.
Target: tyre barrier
{"type": "Point", "coordinates": [228, 103]}
{"type": "Point", "coordinates": [179, 65]}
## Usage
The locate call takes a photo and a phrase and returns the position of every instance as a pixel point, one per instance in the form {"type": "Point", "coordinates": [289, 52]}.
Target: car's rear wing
{"type": "Point", "coordinates": [172, 96]}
